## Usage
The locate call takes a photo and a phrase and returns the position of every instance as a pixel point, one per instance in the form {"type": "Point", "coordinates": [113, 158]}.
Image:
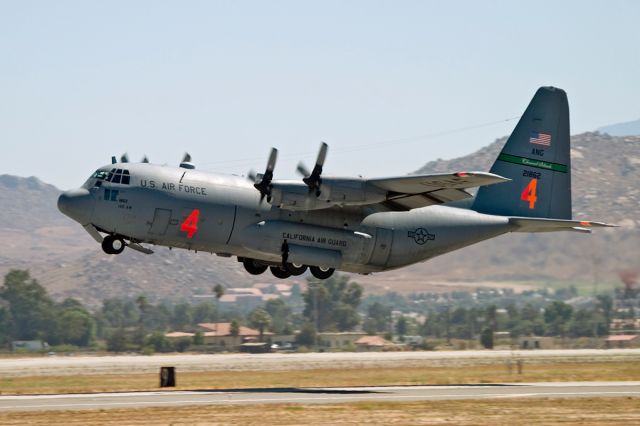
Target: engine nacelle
{"type": "Point", "coordinates": [333, 192]}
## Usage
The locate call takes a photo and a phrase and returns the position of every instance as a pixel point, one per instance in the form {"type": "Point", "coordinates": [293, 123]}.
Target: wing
{"type": "Point", "coordinates": [414, 191]}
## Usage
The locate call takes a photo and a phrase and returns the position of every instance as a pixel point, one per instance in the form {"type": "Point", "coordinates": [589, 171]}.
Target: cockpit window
{"type": "Point", "coordinates": [119, 176]}
{"type": "Point", "coordinates": [100, 175]}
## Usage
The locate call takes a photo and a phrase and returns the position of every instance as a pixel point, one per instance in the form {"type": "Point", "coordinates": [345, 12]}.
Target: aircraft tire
{"type": "Point", "coordinates": [278, 272]}
{"type": "Point", "coordinates": [295, 269]}
{"type": "Point", "coordinates": [113, 245]}
{"type": "Point", "coordinates": [321, 273]}
{"type": "Point", "coordinates": [252, 267]}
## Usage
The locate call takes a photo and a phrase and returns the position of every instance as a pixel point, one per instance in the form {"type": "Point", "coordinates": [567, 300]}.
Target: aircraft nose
{"type": "Point", "coordinates": [77, 204]}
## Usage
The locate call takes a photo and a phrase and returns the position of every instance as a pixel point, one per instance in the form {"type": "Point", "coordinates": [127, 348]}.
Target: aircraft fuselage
{"type": "Point", "coordinates": [157, 205]}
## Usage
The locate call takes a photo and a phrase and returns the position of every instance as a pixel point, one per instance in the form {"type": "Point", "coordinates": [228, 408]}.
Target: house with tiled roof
{"type": "Point", "coordinates": [220, 335]}
{"type": "Point", "coordinates": [372, 343]}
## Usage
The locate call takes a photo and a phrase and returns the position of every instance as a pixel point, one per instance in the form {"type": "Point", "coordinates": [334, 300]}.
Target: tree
{"type": "Point", "coordinates": [218, 290]}
{"type": "Point", "coordinates": [401, 326]}
{"type": "Point", "coordinates": [120, 312]}
{"type": "Point", "coordinates": [380, 316]}
{"type": "Point", "coordinates": [332, 303]}
{"type": "Point", "coordinates": [486, 338]}
{"type": "Point", "coordinates": [605, 304]}
{"type": "Point", "coordinates": [203, 312]}
{"type": "Point", "coordinates": [492, 317]}
{"type": "Point", "coordinates": [234, 328]}
{"type": "Point", "coordinates": [117, 341]}
{"type": "Point", "coordinates": [143, 306]}
{"type": "Point", "coordinates": [182, 316]}
{"type": "Point", "coordinates": [159, 342]}
{"type": "Point", "coordinates": [307, 335]}
{"type": "Point", "coordinates": [280, 315]}
{"type": "Point", "coordinates": [31, 310]}
{"type": "Point", "coordinates": [557, 316]}
{"type": "Point", "coordinates": [260, 319]}
{"type": "Point", "coordinates": [76, 326]}
{"type": "Point", "coordinates": [198, 338]}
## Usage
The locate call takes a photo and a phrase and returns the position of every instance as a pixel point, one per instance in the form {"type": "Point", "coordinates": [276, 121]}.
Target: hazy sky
{"type": "Point", "coordinates": [389, 85]}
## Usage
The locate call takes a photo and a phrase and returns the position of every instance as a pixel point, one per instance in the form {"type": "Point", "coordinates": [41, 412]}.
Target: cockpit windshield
{"type": "Point", "coordinates": [100, 175]}
{"type": "Point", "coordinates": [120, 176]}
{"type": "Point", "coordinates": [96, 179]}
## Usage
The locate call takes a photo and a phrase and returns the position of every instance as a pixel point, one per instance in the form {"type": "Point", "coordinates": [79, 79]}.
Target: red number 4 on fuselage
{"type": "Point", "coordinates": [190, 225]}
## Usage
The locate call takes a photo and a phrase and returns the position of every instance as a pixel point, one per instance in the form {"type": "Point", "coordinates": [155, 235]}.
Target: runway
{"type": "Point", "coordinates": [316, 395]}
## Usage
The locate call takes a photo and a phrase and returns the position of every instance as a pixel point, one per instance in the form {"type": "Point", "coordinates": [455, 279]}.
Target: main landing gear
{"type": "Point", "coordinates": [320, 272]}
{"type": "Point", "coordinates": [256, 267]}
{"type": "Point", "coordinates": [113, 244]}
{"type": "Point", "coordinates": [253, 267]}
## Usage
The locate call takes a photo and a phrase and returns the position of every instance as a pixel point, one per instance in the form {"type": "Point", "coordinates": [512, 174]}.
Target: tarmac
{"type": "Point", "coordinates": [103, 401]}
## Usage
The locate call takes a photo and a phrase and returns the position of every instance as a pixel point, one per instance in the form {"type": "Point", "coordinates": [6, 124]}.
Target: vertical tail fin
{"type": "Point", "coordinates": [536, 159]}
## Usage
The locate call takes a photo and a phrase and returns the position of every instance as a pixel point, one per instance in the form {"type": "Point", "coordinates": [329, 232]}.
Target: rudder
{"type": "Point", "coordinates": [536, 159]}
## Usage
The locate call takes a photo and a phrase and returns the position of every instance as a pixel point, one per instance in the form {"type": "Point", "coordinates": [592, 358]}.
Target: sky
{"type": "Point", "coordinates": [389, 85]}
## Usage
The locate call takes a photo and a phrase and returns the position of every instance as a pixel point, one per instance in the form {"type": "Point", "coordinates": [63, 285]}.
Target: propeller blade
{"type": "Point", "coordinates": [186, 158]}
{"type": "Point", "coordinates": [322, 154]}
{"type": "Point", "coordinates": [145, 159]}
{"type": "Point", "coordinates": [124, 158]}
{"type": "Point", "coordinates": [264, 183]}
{"type": "Point", "coordinates": [302, 169]}
{"type": "Point", "coordinates": [252, 176]}
{"type": "Point", "coordinates": [313, 180]}
{"type": "Point", "coordinates": [271, 164]}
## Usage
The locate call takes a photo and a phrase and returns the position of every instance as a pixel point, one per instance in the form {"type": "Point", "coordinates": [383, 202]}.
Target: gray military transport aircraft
{"type": "Point", "coordinates": [334, 223]}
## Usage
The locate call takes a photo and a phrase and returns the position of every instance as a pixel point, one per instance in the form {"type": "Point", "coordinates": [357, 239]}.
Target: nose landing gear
{"type": "Point", "coordinates": [113, 244]}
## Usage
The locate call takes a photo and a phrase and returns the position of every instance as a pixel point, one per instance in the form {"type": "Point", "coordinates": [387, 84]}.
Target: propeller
{"type": "Point", "coordinates": [186, 158]}
{"type": "Point", "coordinates": [145, 159]}
{"type": "Point", "coordinates": [124, 158]}
{"type": "Point", "coordinates": [313, 179]}
{"type": "Point", "coordinates": [263, 182]}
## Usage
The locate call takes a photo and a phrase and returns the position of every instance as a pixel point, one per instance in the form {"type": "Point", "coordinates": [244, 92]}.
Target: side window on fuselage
{"type": "Point", "coordinates": [111, 194]}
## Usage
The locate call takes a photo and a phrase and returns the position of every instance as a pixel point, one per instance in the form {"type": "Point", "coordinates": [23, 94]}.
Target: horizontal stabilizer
{"type": "Point", "coordinates": [529, 224]}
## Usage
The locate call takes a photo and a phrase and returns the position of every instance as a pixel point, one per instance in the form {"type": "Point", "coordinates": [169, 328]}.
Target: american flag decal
{"type": "Point", "coordinates": [540, 138]}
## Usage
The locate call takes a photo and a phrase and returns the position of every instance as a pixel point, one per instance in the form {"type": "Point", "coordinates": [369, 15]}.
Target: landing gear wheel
{"type": "Point", "coordinates": [320, 272]}
{"type": "Point", "coordinates": [112, 244]}
{"type": "Point", "coordinates": [295, 269]}
{"type": "Point", "coordinates": [253, 267]}
{"type": "Point", "coordinates": [278, 272]}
